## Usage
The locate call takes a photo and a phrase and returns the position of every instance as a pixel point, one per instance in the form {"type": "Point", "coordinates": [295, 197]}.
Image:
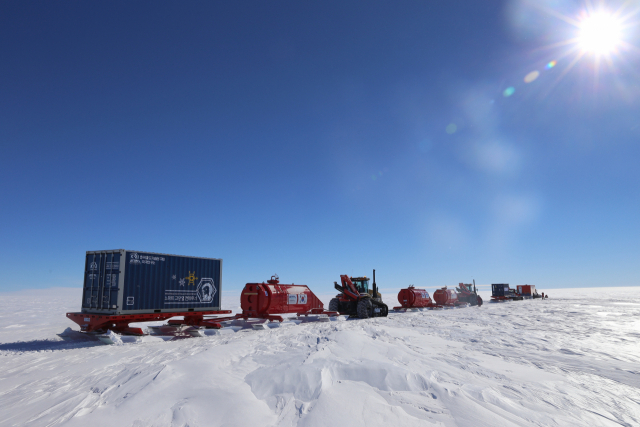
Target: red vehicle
{"type": "Point", "coordinates": [468, 294]}
{"type": "Point", "coordinates": [414, 298]}
{"type": "Point", "coordinates": [357, 300]}
{"type": "Point", "coordinates": [528, 291]}
{"type": "Point", "coordinates": [270, 300]}
{"type": "Point", "coordinates": [447, 298]}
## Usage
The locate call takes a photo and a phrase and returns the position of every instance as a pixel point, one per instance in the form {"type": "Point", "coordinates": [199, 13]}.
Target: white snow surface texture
{"type": "Point", "coordinates": [572, 360]}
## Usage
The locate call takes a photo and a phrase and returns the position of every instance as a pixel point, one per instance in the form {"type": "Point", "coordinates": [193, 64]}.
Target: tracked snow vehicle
{"type": "Point", "coordinates": [502, 292]}
{"type": "Point", "coordinates": [356, 299]}
{"type": "Point", "coordinates": [468, 294]}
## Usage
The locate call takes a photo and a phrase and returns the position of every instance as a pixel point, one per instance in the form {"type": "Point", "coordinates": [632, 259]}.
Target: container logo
{"type": "Point", "coordinates": [134, 256]}
{"type": "Point", "coordinates": [293, 299]}
{"type": "Point", "coordinates": [192, 278]}
{"type": "Point", "coordinates": [93, 266]}
{"type": "Point", "coordinates": [206, 290]}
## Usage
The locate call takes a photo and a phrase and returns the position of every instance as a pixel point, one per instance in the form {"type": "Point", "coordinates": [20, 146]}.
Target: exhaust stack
{"type": "Point", "coordinates": [375, 288]}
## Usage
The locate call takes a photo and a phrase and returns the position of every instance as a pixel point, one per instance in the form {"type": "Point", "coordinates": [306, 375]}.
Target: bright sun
{"type": "Point", "coordinates": [596, 33]}
{"type": "Point", "coordinates": [600, 34]}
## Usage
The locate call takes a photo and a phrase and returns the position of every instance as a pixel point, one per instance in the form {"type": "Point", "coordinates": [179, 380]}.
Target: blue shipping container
{"type": "Point", "coordinates": [128, 282]}
{"type": "Point", "coordinates": [500, 289]}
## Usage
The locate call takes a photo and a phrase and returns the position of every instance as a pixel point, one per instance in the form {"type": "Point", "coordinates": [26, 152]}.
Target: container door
{"type": "Point", "coordinates": [102, 273]}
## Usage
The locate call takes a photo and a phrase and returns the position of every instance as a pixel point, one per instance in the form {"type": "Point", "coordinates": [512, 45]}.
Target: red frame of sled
{"type": "Point", "coordinates": [216, 322]}
{"type": "Point", "coordinates": [120, 322]}
{"type": "Point", "coordinates": [428, 307]}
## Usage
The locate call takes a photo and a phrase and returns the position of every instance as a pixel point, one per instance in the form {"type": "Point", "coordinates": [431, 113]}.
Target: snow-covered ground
{"type": "Point", "coordinates": [571, 360]}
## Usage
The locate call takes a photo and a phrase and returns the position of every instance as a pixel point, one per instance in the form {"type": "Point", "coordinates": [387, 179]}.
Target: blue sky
{"type": "Point", "coordinates": [313, 139]}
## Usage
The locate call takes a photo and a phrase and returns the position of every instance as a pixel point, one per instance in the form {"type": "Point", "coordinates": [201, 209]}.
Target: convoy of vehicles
{"type": "Point", "coordinates": [124, 287]}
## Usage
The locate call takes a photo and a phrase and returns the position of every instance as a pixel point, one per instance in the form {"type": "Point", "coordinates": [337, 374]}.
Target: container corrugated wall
{"type": "Point", "coordinates": [122, 282]}
{"type": "Point", "coordinates": [101, 279]}
{"type": "Point", "coordinates": [500, 289]}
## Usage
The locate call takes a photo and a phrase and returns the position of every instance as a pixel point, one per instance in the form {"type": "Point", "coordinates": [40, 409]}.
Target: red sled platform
{"type": "Point", "coordinates": [120, 322]}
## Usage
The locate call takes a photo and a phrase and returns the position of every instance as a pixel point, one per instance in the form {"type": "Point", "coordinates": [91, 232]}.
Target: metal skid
{"type": "Point", "coordinates": [120, 323]}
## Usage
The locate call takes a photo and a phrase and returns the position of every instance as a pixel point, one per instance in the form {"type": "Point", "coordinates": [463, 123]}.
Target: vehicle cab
{"type": "Point", "coordinates": [361, 283]}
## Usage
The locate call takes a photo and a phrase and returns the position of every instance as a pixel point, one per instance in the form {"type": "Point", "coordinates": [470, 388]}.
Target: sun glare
{"type": "Point", "coordinates": [600, 34]}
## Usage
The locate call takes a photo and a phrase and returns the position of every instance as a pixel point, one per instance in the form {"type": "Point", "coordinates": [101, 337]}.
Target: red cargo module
{"type": "Point", "coordinates": [414, 298]}
{"type": "Point", "coordinates": [262, 300]}
{"type": "Point", "coordinates": [270, 300]}
{"type": "Point", "coordinates": [446, 297]}
{"type": "Point", "coordinates": [528, 291]}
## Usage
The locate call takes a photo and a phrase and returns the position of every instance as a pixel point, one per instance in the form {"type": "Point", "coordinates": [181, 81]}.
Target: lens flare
{"type": "Point", "coordinates": [600, 33]}
{"type": "Point", "coordinates": [551, 64]}
{"type": "Point", "coordinates": [531, 76]}
{"type": "Point", "coordinates": [451, 128]}
{"type": "Point", "coordinates": [509, 91]}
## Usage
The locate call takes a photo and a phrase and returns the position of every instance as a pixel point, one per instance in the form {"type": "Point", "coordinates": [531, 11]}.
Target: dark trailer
{"type": "Point", "coordinates": [133, 282]}
{"type": "Point", "coordinates": [502, 292]}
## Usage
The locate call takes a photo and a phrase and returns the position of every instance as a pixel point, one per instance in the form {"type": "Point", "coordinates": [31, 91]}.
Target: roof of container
{"type": "Point", "coordinates": [152, 253]}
